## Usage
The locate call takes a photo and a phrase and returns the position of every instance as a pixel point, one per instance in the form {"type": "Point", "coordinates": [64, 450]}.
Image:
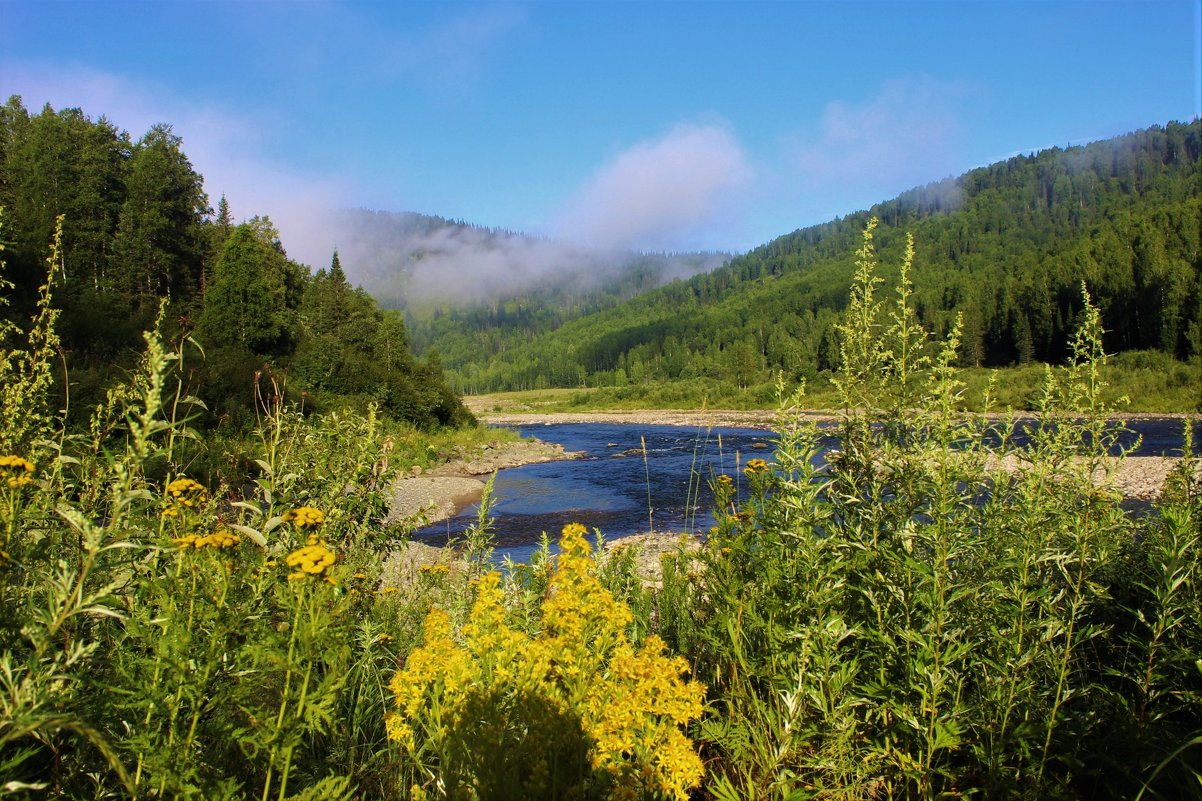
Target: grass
{"type": "Point", "coordinates": [1137, 382]}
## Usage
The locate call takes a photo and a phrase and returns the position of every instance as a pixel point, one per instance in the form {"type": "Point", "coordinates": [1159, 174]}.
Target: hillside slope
{"type": "Point", "coordinates": [1006, 246]}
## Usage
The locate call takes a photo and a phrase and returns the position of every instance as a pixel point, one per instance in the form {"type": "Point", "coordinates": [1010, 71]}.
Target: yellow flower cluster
{"type": "Point", "coordinates": [580, 684]}
{"type": "Point", "coordinates": [725, 480]}
{"type": "Point", "coordinates": [304, 517]}
{"type": "Point", "coordinates": [434, 570]}
{"type": "Point", "coordinates": [755, 467]}
{"type": "Point", "coordinates": [15, 471]}
{"type": "Point", "coordinates": [184, 494]}
{"type": "Point", "coordinates": [314, 559]}
{"type": "Point", "coordinates": [217, 540]}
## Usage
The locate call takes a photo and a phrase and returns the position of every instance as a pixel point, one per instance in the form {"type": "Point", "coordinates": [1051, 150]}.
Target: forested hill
{"type": "Point", "coordinates": [1007, 246]}
{"type": "Point", "coordinates": [465, 287]}
{"type": "Point", "coordinates": [138, 230]}
{"type": "Point", "coordinates": [423, 262]}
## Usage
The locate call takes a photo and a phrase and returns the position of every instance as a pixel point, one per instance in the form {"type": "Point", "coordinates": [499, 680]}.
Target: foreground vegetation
{"type": "Point", "coordinates": [891, 620]}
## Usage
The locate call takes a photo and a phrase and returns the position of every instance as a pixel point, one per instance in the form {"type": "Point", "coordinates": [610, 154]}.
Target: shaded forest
{"type": "Point", "coordinates": [138, 231]}
{"type": "Point", "coordinates": [1007, 246]}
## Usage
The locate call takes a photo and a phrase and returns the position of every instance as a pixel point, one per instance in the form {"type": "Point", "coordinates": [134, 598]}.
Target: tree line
{"type": "Point", "coordinates": [137, 231]}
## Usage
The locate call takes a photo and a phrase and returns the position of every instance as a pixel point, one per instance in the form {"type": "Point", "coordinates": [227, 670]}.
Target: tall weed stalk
{"type": "Point", "coordinates": [929, 609]}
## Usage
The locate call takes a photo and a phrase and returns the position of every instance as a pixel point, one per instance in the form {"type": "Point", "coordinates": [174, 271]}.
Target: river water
{"type": "Point", "coordinates": [615, 489]}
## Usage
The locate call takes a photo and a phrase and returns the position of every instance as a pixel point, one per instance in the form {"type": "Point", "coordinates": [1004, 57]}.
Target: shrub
{"type": "Point", "coordinates": [901, 618]}
{"type": "Point", "coordinates": [575, 711]}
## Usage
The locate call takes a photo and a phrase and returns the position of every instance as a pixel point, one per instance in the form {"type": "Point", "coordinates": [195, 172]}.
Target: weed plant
{"type": "Point", "coordinates": [179, 623]}
{"type": "Point", "coordinates": [904, 618]}
{"type": "Point", "coordinates": [161, 637]}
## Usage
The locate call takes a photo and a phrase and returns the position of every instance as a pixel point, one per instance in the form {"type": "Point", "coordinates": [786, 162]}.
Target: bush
{"type": "Point", "coordinates": [575, 711]}
{"type": "Point", "coordinates": [901, 618]}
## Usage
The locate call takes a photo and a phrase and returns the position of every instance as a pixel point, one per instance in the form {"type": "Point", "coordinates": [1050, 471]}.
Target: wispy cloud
{"type": "Point", "coordinates": [908, 133]}
{"type": "Point", "coordinates": [446, 57]}
{"type": "Point", "coordinates": [404, 259]}
{"type": "Point", "coordinates": [458, 50]}
{"type": "Point", "coordinates": [655, 194]}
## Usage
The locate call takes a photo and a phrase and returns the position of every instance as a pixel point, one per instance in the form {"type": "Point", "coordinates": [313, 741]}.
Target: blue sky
{"type": "Point", "coordinates": [663, 126]}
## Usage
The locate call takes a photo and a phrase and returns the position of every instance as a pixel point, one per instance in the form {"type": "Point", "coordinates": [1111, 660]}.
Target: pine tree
{"type": "Point", "coordinates": [158, 243]}
{"type": "Point", "coordinates": [245, 304]}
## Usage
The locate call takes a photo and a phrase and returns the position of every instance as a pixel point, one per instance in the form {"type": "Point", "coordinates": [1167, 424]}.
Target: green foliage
{"type": "Point", "coordinates": [26, 369]}
{"type": "Point", "coordinates": [245, 305]}
{"type": "Point", "coordinates": [573, 711]}
{"type": "Point", "coordinates": [909, 617]}
{"type": "Point", "coordinates": [134, 228]}
{"type": "Point", "coordinates": [160, 637]}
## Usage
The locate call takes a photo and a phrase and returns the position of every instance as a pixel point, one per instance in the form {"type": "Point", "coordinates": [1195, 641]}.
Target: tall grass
{"type": "Point", "coordinates": [903, 619]}
{"type": "Point", "coordinates": [164, 637]}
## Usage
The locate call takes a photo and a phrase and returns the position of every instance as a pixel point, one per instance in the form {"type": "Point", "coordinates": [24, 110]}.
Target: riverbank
{"type": "Point", "coordinates": [761, 419]}
{"type": "Point", "coordinates": [764, 419]}
{"type": "Point", "coordinates": [423, 497]}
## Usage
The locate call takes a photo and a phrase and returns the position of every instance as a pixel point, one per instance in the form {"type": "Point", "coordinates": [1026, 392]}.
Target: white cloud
{"type": "Point", "coordinates": [658, 192]}
{"type": "Point", "coordinates": [907, 134]}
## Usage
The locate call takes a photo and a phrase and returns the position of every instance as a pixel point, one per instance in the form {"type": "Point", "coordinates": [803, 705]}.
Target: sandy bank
{"type": "Point", "coordinates": [428, 497]}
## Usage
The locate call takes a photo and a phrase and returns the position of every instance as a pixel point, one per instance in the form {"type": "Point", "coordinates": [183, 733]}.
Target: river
{"type": "Point", "coordinates": [615, 489]}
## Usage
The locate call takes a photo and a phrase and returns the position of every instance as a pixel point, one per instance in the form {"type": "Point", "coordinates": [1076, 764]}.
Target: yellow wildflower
{"type": "Point", "coordinates": [313, 559]}
{"type": "Point", "coordinates": [186, 492]}
{"type": "Point", "coordinates": [15, 471]}
{"type": "Point", "coordinates": [183, 495]}
{"type": "Point", "coordinates": [304, 517]}
{"type": "Point", "coordinates": [499, 691]}
{"type": "Point", "coordinates": [434, 570]}
{"type": "Point", "coordinates": [217, 540]}
{"type": "Point", "coordinates": [755, 467]}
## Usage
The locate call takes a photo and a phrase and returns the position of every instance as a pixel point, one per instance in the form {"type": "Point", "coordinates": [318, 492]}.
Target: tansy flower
{"type": "Point", "coordinates": [217, 540]}
{"type": "Point", "coordinates": [183, 494]}
{"type": "Point", "coordinates": [313, 559]}
{"type": "Point", "coordinates": [15, 471]}
{"type": "Point", "coordinates": [304, 517]}
{"type": "Point", "coordinates": [755, 467]}
{"type": "Point", "coordinates": [185, 491]}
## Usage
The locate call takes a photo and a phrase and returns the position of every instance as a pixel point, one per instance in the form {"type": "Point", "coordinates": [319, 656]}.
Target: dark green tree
{"type": "Point", "coordinates": [158, 249]}
{"type": "Point", "coordinates": [245, 306]}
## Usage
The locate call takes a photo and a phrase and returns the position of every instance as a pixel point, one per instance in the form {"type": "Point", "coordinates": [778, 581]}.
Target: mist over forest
{"type": "Point", "coordinates": [411, 260]}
